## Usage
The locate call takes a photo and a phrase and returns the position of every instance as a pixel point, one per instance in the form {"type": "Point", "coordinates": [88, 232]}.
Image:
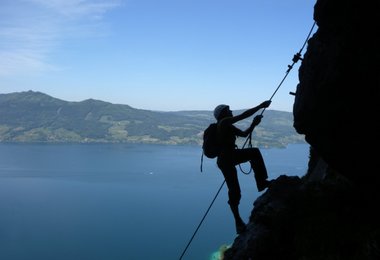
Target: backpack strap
{"type": "Point", "coordinates": [202, 162]}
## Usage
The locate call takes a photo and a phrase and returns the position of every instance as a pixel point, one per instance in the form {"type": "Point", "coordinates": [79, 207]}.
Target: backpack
{"type": "Point", "coordinates": [211, 146]}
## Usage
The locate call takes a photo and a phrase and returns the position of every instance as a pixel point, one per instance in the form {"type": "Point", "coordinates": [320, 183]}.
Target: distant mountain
{"type": "Point", "coordinates": [36, 117]}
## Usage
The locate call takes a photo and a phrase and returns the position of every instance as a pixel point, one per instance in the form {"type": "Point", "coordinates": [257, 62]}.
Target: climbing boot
{"type": "Point", "coordinates": [240, 227]}
{"type": "Point", "coordinates": [262, 185]}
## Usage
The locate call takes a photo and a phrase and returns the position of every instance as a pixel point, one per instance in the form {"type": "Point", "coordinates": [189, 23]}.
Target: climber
{"type": "Point", "coordinates": [230, 155]}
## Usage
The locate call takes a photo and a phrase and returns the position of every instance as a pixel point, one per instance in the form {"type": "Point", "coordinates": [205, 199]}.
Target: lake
{"type": "Point", "coordinates": [121, 201]}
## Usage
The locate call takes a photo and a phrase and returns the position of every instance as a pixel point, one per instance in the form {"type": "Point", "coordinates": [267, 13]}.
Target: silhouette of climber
{"type": "Point", "coordinates": [230, 155]}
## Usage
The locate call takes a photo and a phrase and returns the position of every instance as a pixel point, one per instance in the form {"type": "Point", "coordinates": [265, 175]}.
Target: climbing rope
{"type": "Point", "coordinates": [295, 59]}
{"type": "Point", "coordinates": [200, 223]}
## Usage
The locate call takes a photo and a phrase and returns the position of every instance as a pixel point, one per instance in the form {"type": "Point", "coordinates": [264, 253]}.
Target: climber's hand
{"type": "Point", "coordinates": [257, 120]}
{"type": "Point", "coordinates": [265, 104]}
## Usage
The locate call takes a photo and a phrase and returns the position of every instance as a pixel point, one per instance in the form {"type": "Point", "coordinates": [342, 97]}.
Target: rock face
{"type": "Point", "coordinates": [300, 220]}
{"type": "Point", "coordinates": [337, 99]}
{"type": "Point", "coordinates": [331, 212]}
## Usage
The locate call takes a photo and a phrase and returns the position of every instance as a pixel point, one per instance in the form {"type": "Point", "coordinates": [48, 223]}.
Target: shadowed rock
{"type": "Point", "coordinates": [331, 212]}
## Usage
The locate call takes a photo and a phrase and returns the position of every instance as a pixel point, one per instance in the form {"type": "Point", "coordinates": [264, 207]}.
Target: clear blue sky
{"type": "Point", "coordinates": [164, 55]}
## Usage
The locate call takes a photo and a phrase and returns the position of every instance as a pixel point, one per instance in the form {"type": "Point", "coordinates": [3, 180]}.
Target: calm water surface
{"type": "Point", "coordinates": [111, 202]}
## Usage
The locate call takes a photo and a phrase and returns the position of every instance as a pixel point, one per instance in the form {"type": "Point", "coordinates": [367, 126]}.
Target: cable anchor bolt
{"type": "Point", "coordinates": [297, 57]}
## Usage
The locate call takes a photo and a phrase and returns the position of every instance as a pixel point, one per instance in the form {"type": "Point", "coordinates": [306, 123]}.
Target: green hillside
{"type": "Point", "coordinates": [37, 117]}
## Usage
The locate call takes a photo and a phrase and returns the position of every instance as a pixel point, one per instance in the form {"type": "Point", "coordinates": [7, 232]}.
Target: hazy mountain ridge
{"type": "Point", "coordinates": [36, 117]}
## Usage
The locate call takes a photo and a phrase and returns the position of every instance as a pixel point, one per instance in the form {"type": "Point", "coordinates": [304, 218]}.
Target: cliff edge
{"type": "Point", "coordinates": [332, 211]}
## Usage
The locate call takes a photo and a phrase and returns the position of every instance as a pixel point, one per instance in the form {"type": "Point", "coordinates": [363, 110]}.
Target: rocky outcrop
{"type": "Point", "coordinates": [303, 219]}
{"type": "Point", "coordinates": [336, 105]}
{"type": "Point", "coordinates": [331, 212]}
